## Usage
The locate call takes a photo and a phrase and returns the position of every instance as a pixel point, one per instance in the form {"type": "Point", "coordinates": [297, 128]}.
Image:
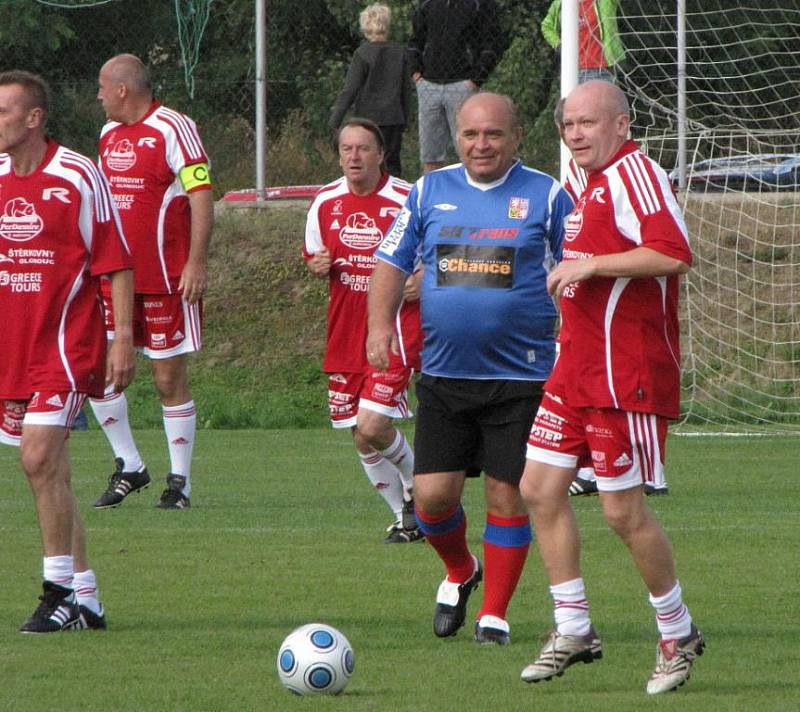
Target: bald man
{"type": "Point", "coordinates": [487, 231]}
{"type": "Point", "coordinates": [158, 170]}
{"type": "Point", "coordinates": [615, 385]}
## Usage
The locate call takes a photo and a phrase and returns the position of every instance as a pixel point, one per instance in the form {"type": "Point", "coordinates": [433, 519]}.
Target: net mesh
{"type": "Point", "coordinates": [742, 306]}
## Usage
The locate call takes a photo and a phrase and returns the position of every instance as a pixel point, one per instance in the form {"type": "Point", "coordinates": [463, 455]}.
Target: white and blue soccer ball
{"type": "Point", "coordinates": [315, 659]}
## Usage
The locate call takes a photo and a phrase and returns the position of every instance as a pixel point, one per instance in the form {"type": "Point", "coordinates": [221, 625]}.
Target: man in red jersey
{"type": "Point", "coordinates": [159, 176]}
{"type": "Point", "coordinates": [585, 482]}
{"type": "Point", "coordinates": [59, 231]}
{"type": "Point", "coordinates": [345, 225]}
{"type": "Point", "coordinates": [615, 384]}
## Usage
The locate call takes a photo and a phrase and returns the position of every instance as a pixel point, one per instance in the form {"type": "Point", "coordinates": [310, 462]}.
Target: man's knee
{"type": "Point", "coordinates": [625, 512]}
{"type": "Point", "coordinates": [436, 494]}
{"type": "Point", "coordinates": [171, 379]}
{"type": "Point", "coordinates": [39, 459]}
{"type": "Point", "coordinates": [376, 429]}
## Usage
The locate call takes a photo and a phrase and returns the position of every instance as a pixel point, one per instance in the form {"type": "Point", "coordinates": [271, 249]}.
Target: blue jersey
{"type": "Point", "coordinates": [486, 249]}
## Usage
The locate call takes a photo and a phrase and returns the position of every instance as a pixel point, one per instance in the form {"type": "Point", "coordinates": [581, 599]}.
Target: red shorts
{"type": "Point", "coordinates": [626, 449]}
{"type": "Point", "coordinates": [385, 392]}
{"type": "Point", "coordinates": [45, 408]}
{"type": "Point", "coordinates": [164, 325]}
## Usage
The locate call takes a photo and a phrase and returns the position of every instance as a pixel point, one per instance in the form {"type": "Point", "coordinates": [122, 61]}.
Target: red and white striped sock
{"type": "Point", "coordinates": [672, 615]}
{"type": "Point", "coordinates": [571, 607]}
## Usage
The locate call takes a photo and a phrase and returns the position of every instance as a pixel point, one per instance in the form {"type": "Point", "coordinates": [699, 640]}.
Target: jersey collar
{"type": "Point", "coordinates": [488, 186]}
{"type": "Point", "coordinates": [628, 147]}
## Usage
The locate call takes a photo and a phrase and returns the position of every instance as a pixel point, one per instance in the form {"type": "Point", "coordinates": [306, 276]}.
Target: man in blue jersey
{"type": "Point", "coordinates": [487, 231]}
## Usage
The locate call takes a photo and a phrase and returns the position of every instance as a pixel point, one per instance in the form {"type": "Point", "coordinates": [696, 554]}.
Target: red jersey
{"type": "Point", "coordinates": [59, 230]}
{"type": "Point", "coordinates": [351, 227]}
{"type": "Point", "coordinates": [590, 37]}
{"type": "Point", "coordinates": [574, 180]}
{"type": "Point", "coordinates": [619, 336]}
{"type": "Point", "coordinates": [142, 162]}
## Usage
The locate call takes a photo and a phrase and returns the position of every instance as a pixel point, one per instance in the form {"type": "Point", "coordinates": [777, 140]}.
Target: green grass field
{"type": "Point", "coordinates": [284, 530]}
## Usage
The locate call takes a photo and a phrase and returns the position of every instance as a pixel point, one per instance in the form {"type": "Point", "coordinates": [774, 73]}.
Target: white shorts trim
{"type": "Point", "coordinates": [548, 457]}
{"type": "Point", "coordinates": [342, 424]}
{"type": "Point", "coordinates": [400, 412]}
{"type": "Point", "coordinates": [13, 440]}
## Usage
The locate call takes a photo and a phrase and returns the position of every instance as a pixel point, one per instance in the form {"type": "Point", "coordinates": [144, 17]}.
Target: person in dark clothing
{"type": "Point", "coordinates": [455, 46]}
{"type": "Point", "coordinates": [378, 84]}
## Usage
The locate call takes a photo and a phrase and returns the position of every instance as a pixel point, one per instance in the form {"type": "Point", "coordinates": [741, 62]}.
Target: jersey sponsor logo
{"type": "Point", "coordinates": [599, 461]}
{"type": "Point", "coordinates": [388, 210]}
{"type": "Point", "coordinates": [576, 255]}
{"type": "Point", "coordinates": [574, 221]}
{"type": "Point", "coordinates": [157, 340]}
{"type": "Point", "coordinates": [445, 206]}
{"type": "Point", "coordinates": [479, 233]}
{"type": "Point", "coordinates": [360, 232]}
{"type": "Point", "coordinates": [338, 378]}
{"type": "Point", "coordinates": [545, 435]}
{"type": "Point", "coordinates": [121, 156]}
{"type": "Point", "coordinates": [393, 237]}
{"type": "Point", "coordinates": [336, 225]}
{"type": "Point", "coordinates": [19, 221]}
{"type": "Point", "coordinates": [337, 208]}
{"type": "Point", "coordinates": [6, 258]}
{"type": "Point", "coordinates": [20, 282]}
{"type": "Point", "coordinates": [518, 208]}
{"type": "Point", "coordinates": [148, 141]}
{"type": "Point", "coordinates": [61, 194]}
{"type": "Point", "coordinates": [381, 390]}
{"type": "Point", "coordinates": [475, 266]}
{"type": "Point", "coordinates": [355, 282]}
{"type": "Point", "coordinates": [55, 401]}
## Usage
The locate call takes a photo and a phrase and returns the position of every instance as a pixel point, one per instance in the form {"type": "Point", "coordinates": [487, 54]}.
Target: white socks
{"type": "Point", "coordinates": [85, 585]}
{"type": "Point", "coordinates": [672, 615]}
{"type": "Point", "coordinates": [400, 454]}
{"type": "Point", "coordinates": [59, 570]}
{"type": "Point", "coordinates": [385, 478]}
{"type": "Point", "coordinates": [180, 426]}
{"type": "Point", "coordinates": [112, 413]}
{"type": "Point", "coordinates": [571, 608]}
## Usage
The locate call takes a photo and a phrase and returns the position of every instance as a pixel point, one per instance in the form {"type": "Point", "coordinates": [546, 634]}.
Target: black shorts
{"type": "Point", "coordinates": [471, 425]}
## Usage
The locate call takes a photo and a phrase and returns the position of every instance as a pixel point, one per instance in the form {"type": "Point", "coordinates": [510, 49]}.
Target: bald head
{"type": "Point", "coordinates": [605, 94]}
{"type": "Point", "coordinates": [596, 121]}
{"type": "Point", "coordinates": [125, 91]}
{"type": "Point", "coordinates": [488, 136]}
{"type": "Point", "coordinates": [500, 104]}
{"type": "Point", "coordinates": [129, 70]}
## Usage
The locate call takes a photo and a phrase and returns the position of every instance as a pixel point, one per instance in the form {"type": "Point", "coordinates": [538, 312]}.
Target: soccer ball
{"type": "Point", "coordinates": [315, 659]}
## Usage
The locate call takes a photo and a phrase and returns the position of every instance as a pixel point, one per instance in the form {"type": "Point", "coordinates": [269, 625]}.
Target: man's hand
{"type": "Point", "coordinates": [121, 363]}
{"type": "Point", "coordinates": [194, 280]}
{"type": "Point", "coordinates": [568, 272]}
{"type": "Point", "coordinates": [320, 263]}
{"type": "Point", "coordinates": [379, 344]}
{"type": "Point", "coordinates": [416, 76]}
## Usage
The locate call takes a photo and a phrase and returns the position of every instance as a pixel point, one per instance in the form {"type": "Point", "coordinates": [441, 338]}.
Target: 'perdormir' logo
{"type": "Point", "coordinates": [360, 232]}
{"type": "Point", "coordinates": [121, 156]}
{"type": "Point", "coordinates": [19, 221]}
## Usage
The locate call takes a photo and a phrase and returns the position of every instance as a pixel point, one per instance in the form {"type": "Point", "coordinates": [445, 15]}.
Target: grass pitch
{"type": "Point", "coordinates": [284, 530]}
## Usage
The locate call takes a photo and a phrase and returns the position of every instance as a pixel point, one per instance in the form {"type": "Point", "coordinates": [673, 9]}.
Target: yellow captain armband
{"type": "Point", "coordinates": [195, 176]}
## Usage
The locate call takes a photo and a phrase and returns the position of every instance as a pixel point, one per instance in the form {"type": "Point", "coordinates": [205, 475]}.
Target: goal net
{"type": "Point", "coordinates": [742, 169]}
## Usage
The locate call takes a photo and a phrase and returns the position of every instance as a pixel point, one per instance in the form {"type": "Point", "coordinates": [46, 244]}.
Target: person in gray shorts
{"type": "Point", "coordinates": [455, 46]}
